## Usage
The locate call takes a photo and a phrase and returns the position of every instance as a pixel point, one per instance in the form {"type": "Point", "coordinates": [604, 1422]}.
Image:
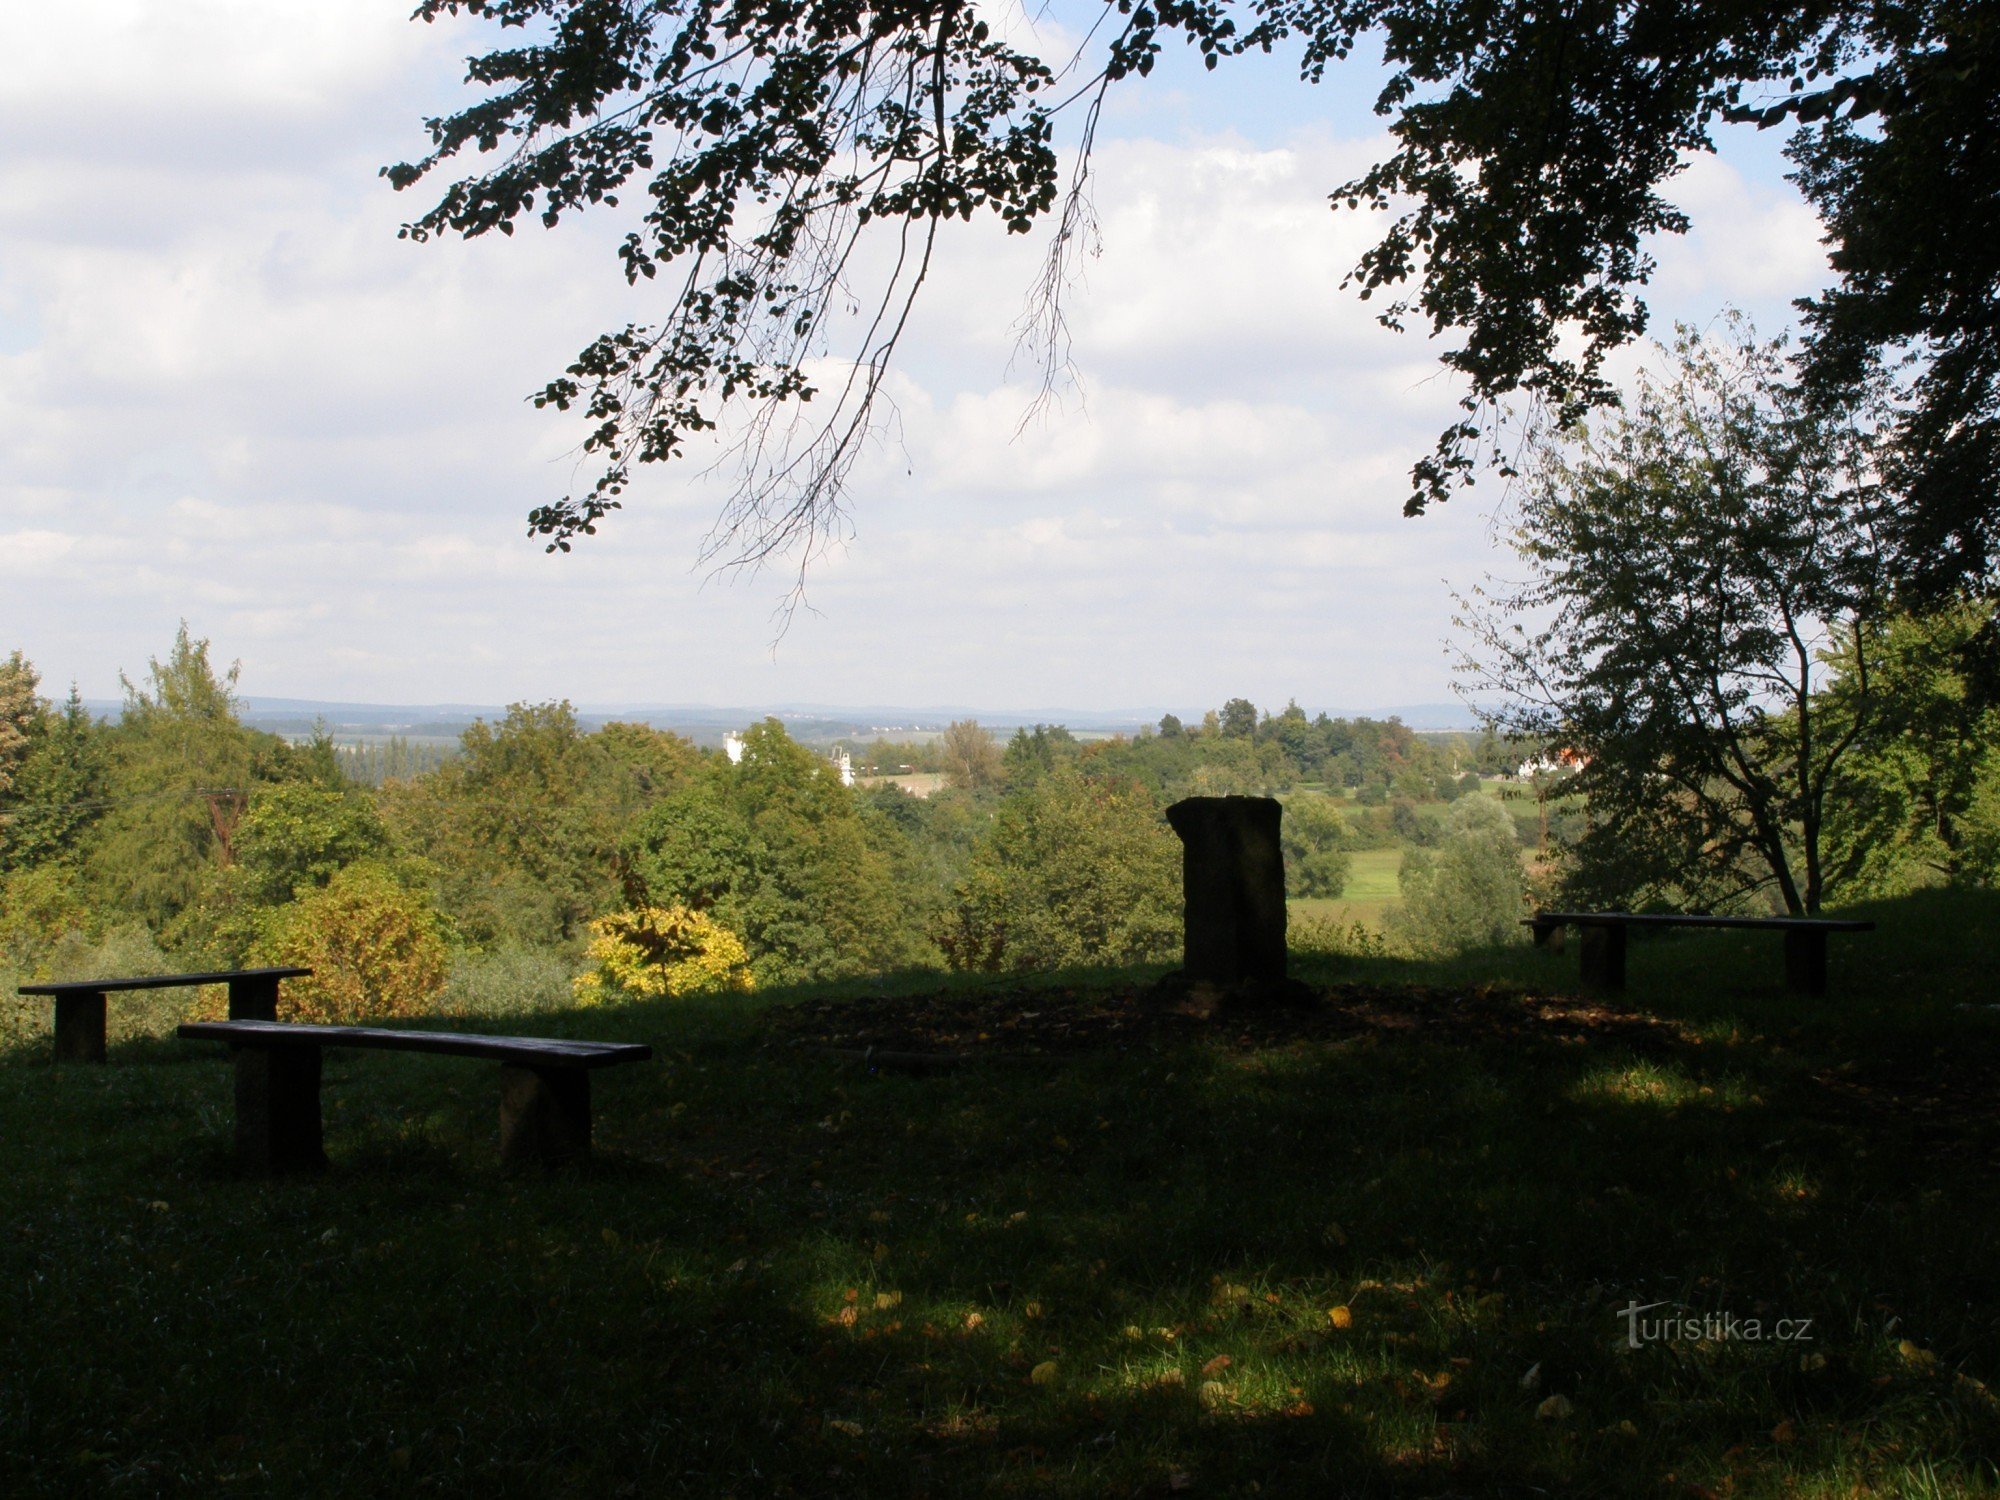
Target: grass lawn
{"type": "Point", "coordinates": [1377, 1251]}
{"type": "Point", "coordinates": [1371, 890]}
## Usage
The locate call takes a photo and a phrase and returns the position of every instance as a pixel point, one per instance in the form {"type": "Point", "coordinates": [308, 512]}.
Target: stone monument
{"type": "Point", "coordinates": [1233, 911]}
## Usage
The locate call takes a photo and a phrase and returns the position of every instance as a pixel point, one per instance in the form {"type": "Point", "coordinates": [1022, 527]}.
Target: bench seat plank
{"type": "Point", "coordinates": [524, 1051]}
{"type": "Point", "coordinates": [1681, 919]}
{"type": "Point", "coordinates": [81, 1010]}
{"type": "Point", "coordinates": [154, 981]}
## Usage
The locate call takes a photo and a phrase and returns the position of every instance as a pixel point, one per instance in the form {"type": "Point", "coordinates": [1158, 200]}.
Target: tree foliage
{"type": "Point", "coordinates": [1917, 796]}
{"type": "Point", "coordinates": [971, 758]}
{"type": "Point", "coordinates": [57, 788]}
{"type": "Point", "coordinates": [21, 711]}
{"type": "Point", "coordinates": [1314, 837]}
{"type": "Point", "coordinates": [1691, 562]}
{"type": "Point", "coordinates": [180, 773]}
{"type": "Point", "coordinates": [1073, 871]}
{"type": "Point", "coordinates": [1468, 892]}
{"type": "Point", "coordinates": [782, 854]}
{"type": "Point", "coordinates": [657, 951]}
{"type": "Point", "coordinates": [1532, 146]}
{"type": "Point", "coordinates": [524, 826]}
{"type": "Point", "coordinates": [373, 944]}
{"type": "Point", "coordinates": [295, 837]}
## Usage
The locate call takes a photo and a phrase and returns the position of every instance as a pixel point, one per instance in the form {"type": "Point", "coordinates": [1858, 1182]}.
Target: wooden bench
{"type": "Point", "coordinates": [1603, 945]}
{"type": "Point", "coordinates": [80, 1003]}
{"type": "Point", "coordinates": [544, 1086]}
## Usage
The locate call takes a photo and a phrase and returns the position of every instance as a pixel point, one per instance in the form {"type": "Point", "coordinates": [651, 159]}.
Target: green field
{"type": "Point", "coordinates": [1371, 891]}
{"type": "Point", "coordinates": [1378, 1249]}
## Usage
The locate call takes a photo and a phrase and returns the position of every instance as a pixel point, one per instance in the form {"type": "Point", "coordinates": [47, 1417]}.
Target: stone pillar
{"type": "Point", "coordinates": [1233, 909]}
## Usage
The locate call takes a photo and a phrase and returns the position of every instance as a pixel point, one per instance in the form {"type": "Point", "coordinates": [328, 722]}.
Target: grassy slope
{"type": "Point", "coordinates": [783, 1277]}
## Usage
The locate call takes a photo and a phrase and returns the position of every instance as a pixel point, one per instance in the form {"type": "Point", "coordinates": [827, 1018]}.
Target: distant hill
{"type": "Point", "coordinates": [707, 724]}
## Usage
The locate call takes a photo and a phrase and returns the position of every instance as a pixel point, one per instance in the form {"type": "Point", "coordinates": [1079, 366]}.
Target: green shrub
{"type": "Point", "coordinates": [514, 979]}
{"type": "Point", "coordinates": [39, 908]}
{"type": "Point", "coordinates": [125, 951]}
{"type": "Point", "coordinates": [372, 943]}
{"type": "Point", "coordinates": [656, 951]}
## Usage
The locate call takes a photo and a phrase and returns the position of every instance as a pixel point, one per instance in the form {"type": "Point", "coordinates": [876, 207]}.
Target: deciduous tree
{"type": "Point", "coordinates": [1531, 151]}
{"type": "Point", "coordinates": [1467, 892]}
{"type": "Point", "coordinates": [1074, 871]}
{"type": "Point", "coordinates": [1690, 563]}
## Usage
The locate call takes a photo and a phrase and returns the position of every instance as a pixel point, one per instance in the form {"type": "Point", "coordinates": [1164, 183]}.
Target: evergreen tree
{"type": "Point", "coordinates": [181, 766]}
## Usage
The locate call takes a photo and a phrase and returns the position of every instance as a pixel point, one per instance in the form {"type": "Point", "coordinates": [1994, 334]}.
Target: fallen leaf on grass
{"type": "Point", "coordinates": [1555, 1409]}
{"type": "Point", "coordinates": [852, 1429]}
{"type": "Point", "coordinates": [1043, 1373]}
{"type": "Point", "coordinates": [1217, 1365]}
{"type": "Point", "coordinates": [1340, 1317]}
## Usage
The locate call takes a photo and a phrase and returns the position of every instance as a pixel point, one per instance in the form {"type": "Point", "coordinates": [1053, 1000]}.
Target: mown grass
{"type": "Point", "coordinates": [1342, 1264]}
{"type": "Point", "coordinates": [1370, 892]}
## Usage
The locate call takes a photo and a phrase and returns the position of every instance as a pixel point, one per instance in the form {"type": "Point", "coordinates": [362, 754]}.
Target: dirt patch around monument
{"type": "Point", "coordinates": [950, 1026]}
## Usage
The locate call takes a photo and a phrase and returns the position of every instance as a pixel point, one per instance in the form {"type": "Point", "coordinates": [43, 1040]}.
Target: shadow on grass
{"type": "Point", "coordinates": [1385, 1257]}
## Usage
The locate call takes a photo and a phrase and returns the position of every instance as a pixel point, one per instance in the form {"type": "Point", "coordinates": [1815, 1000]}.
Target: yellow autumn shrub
{"type": "Point", "coordinates": [373, 946]}
{"type": "Point", "coordinates": [655, 951]}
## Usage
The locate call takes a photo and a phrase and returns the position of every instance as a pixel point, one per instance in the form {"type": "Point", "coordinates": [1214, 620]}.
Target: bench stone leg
{"type": "Point", "coordinates": [277, 1109]}
{"type": "Point", "coordinates": [80, 1027]}
{"type": "Point", "coordinates": [544, 1115]}
{"type": "Point", "coordinates": [1805, 962]}
{"type": "Point", "coordinates": [1603, 957]}
{"type": "Point", "coordinates": [253, 997]}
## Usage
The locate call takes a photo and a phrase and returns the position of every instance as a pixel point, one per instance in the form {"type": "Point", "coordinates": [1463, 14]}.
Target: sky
{"type": "Point", "coordinates": [230, 395]}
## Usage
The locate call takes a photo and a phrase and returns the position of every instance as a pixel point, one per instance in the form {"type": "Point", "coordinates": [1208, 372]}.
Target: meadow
{"type": "Point", "coordinates": [1371, 891]}
{"type": "Point", "coordinates": [1095, 1250]}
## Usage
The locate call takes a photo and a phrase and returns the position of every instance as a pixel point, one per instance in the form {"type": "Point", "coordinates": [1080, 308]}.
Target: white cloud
{"type": "Point", "coordinates": [228, 392]}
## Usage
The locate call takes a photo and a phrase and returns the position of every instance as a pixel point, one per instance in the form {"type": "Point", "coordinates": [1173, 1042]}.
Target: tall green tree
{"type": "Point", "coordinates": [1531, 151]}
{"type": "Point", "coordinates": [971, 758]}
{"type": "Point", "coordinates": [1915, 798]}
{"type": "Point", "coordinates": [787, 858]}
{"type": "Point", "coordinates": [1689, 565]}
{"type": "Point", "coordinates": [1468, 892]}
{"type": "Point", "coordinates": [1074, 870]}
{"type": "Point", "coordinates": [1315, 841]}
{"type": "Point", "coordinates": [21, 712]}
{"type": "Point", "coordinates": [1034, 753]}
{"type": "Point", "coordinates": [524, 826]}
{"type": "Point", "coordinates": [58, 790]}
{"type": "Point", "coordinates": [181, 769]}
